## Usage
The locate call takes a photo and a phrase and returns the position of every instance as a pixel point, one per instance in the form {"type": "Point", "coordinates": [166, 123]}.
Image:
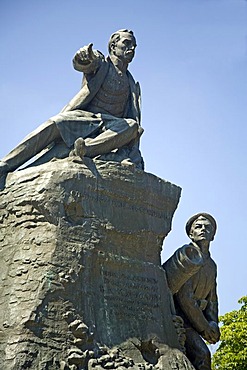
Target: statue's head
{"type": "Point", "coordinates": [122, 44]}
{"type": "Point", "coordinates": [201, 227]}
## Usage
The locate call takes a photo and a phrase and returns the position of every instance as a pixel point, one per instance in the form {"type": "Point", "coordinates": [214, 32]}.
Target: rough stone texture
{"type": "Point", "coordinates": [81, 282]}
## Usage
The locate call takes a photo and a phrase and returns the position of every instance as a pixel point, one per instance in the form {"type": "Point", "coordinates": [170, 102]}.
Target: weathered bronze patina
{"type": "Point", "coordinates": [192, 279]}
{"type": "Point", "coordinates": [103, 116]}
{"type": "Point", "coordinates": [82, 228]}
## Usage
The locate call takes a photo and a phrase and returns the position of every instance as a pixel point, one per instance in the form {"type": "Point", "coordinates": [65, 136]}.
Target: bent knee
{"type": "Point", "coordinates": [133, 124]}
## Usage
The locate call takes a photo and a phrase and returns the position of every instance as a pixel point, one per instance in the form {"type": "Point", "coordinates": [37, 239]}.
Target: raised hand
{"type": "Point", "coordinates": [85, 55]}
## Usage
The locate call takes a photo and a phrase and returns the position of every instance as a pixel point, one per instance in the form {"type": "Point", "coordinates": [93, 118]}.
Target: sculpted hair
{"type": "Point", "coordinates": [116, 36]}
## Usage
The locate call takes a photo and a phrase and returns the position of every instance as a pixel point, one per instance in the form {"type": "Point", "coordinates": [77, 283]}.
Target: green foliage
{"type": "Point", "coordinates": [232, 351]}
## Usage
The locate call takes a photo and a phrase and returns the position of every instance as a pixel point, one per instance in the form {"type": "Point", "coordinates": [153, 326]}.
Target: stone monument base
{"type": "Point", "coordinates": [82, 285]}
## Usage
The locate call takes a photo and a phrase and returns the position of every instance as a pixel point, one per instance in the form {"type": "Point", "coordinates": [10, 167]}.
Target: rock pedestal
{"type": "Point", "coordinates": [81, 282]}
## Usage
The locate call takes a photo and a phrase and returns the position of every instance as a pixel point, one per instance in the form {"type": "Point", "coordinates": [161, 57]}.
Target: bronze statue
{"type": "Point", "coordinates": [103, 117]}
{"type": "Point", "coordinates": [196, 300]}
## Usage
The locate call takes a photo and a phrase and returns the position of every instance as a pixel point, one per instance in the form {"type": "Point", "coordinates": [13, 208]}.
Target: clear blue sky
{"type": "Point", "coordinates": [191, 61]}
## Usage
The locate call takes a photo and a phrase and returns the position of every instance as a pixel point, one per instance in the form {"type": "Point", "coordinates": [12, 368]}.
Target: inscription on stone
{"type": "Point", "coordinates": [118, 203]}
{"type": "Point", "coordinates": [126, 298]}
{"type": "Point", "coordinates": [141, 295]}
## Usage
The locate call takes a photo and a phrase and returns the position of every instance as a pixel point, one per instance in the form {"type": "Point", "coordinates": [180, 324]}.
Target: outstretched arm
{"type": "Point", "coordinates": [87, 60]}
